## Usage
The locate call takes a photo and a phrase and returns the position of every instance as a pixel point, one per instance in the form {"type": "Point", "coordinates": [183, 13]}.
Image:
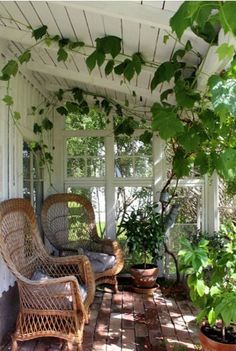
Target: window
{"type": "Point", "coordinates": [132, 158]}
{"type": "Point", "coordinates": [85, 157]}
{"type": "Point", "coordinates": [32, 179]}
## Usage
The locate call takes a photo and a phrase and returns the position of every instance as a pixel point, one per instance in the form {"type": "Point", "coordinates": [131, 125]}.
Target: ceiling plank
{"type": "Point", "coordinates": [89, 79]}
{"type": "Point", "coordinates": [25, 38]}
{"type": "Point", "coordinates": [130, 11]}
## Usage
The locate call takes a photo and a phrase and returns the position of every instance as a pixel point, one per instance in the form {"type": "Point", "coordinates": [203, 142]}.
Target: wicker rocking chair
{"type": "Point", "coordinates": [68, 222]}
{"type": "Point", "coordinates": [55, 292]}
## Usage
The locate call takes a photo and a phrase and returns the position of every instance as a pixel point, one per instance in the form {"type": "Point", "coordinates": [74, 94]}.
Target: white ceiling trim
{"type": "Point", "coordinates": [89, 79]}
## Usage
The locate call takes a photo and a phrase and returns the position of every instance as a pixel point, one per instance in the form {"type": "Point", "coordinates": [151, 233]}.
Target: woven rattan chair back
{"type": "Point", "coordinates": [52, 307]}
{"type": "Point", "coordinates": [68, 221]}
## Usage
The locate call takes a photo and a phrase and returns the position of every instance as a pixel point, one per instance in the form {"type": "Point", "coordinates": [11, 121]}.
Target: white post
{"type": "Point", "coordinates": [4, 134]}
{"type": "Point", "coordinates": [213, 204]}
{"type": "Point", "coordinates": [109, 188]}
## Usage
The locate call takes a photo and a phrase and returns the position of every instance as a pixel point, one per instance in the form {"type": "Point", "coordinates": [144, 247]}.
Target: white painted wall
{"type": "Point", "coordinates": [25, 95]}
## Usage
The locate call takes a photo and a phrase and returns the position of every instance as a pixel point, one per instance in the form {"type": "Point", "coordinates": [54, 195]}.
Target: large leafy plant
{"type": "Point", "coordinates": [210, 266]}
{"type": "Point", "coordinates": [143, 230]}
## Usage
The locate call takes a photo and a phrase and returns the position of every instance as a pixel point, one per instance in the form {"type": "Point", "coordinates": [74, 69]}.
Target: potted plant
{"type": "Point", "coordinates": [211, 277]}
{"type": "Point", "coordinates": [145, 231]}
{"type": "Point", "coordinates": [145, 237]}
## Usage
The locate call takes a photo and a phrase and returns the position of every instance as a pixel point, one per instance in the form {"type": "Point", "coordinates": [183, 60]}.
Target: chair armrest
{"type": "Point", "coordinates": [78, 266]}
{"type": "Point", "coordinates": [51, 294]}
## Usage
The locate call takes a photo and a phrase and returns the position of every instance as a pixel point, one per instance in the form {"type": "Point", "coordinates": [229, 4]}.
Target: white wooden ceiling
{"type": "Point", "coordinates": [141, 25]}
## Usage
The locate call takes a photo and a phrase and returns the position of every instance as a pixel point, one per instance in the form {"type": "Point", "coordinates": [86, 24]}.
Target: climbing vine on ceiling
{"type": "Point", "coordinates": [200, 125]}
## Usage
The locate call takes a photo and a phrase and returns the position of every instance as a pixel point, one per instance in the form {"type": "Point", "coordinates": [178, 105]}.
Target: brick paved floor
{"type": "Point", "coordinates": [127, 321]}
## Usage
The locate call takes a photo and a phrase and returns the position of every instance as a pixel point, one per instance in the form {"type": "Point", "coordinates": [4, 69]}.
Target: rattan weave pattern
{"type": "Point", "coordinates": [68, 222]}
{"type": "Point", "coordinates": [52, 307]}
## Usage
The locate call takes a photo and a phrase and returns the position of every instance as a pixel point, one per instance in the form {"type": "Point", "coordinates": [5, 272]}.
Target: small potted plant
{"type": "Point", "coordinates": [210, 266]}
{"type": "Point", "coordinates": [144, 233]}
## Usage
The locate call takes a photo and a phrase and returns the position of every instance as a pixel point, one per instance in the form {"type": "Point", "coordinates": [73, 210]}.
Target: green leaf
{"type": "Point", "coordinates": [166, 38]}
{"type": "Point", "coordinates": [62, 111]}
{"type": "Point", "coordinates": [38, 33]}
{"type": "Point", "coordinates": [109, 67]}
{"type": "Point", "coordinates": [190, 139]}
{"type": "Point", "coordinates": [202, 163]}
{"type": "Point", "coordinates": [100, 58]}
{"type": "Point", "coordinates": [129, 71]}
{"type": "Point", "coordinates": [16, 116]}
{"type": "Point", "coordinates": [59, 94]}
{"type": "Point", "coordinates": [164, 73]}
{"type": "Point", "coordinates": [25, 57]}
{"type": "Point", "coordinates": [10, 69]}
{"type": "Point", "coordinates": [78, 94]}
{"type": "Point", "coordinates": [165, 121]}
{"type": "Point", "coordinates": [110, 45]}
{"type": "Point", "coordinates": [182, 18]}
{"type": "Point", "coordinates": [181, 164]}
{"type": "Point", "coordinates": [200, 286]}
{"type": "Point", "coordinates": [214, 290]}
{"type": "Point", "coordinates": [146, 137]}
{"type": "Point", "coordinates": [227, 16]}
{"type": "Point", "coordinates": [72, 107]}
{"type": "Point", "coordinates": [184, 96]}
{"type": "Point", "coordinates": [63, 42]}
{"type": "Point", "coordinates": [223, 96]}
{"type": "Point", "coordinates": [62, 55]}
{"type": "Point", "coordinates": [47, 124]}
{"type": "Point", "coordinates": [137, 61]}
{"type": "Point", "coordinates": [225, 51]}
{"type": "Point", "coordinates": [127, 126]}
{"type": "Point", "coordinates": [211, 317]}
{"type": "Point", "coordinates": [91, 60]}
{"type": "Point", "coordinates": [37, 129]}
{"type": "Point", "coordinates": [8, 100]}
{"type": "Point", "coordinates": [75, 44]}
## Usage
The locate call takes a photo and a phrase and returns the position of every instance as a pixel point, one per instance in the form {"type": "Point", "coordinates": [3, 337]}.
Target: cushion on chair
{"type": "Point", "coordinates": [39, 275]}
{"type": "Point", "coordinates": [100, 261]}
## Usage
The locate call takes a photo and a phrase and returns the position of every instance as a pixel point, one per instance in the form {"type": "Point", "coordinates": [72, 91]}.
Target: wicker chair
{"type": "Point", "coordinates": [52, 306]}
{"type": "Point", "coordinates": [68, 221]}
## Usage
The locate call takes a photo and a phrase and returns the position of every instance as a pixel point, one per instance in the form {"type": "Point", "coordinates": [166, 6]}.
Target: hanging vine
{"type": "Point", "coordinates": [199, 125]}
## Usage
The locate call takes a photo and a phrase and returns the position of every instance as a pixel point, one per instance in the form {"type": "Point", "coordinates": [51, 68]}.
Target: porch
{"type": "Point", "coordinates": [127, 321]}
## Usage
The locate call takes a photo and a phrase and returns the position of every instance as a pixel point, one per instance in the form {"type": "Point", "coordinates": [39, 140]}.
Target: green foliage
{"type": "Point", "coordinates": [40, 32]}
{"type": "Point", "coordinates": [143, 230]}
{"type": "Point", "coordinates": [165, 121]}
{"type": "Point", "coordinates": [225, 51]}
{"type": "Point", "coordinates": [211, 269]}
{"type": "Point", "coordinates": [25, 57]}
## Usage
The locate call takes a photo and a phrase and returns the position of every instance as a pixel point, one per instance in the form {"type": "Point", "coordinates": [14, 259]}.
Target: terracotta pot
{"type": "Point", "coordinates": [144, 277]}
{"type": "Point", "coordinates": [211, 345]}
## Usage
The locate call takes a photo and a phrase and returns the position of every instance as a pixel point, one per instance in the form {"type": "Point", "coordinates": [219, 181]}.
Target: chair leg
{"type": "Point", "coordinates": [14, 346]}
{"type": "Point", "coordinates": [116, 288]}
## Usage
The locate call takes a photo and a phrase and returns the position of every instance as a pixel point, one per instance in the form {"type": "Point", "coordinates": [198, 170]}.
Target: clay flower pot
{"type": "Point", "coordinates": [211, 345]}
{"type": "Point", "coordinates": [144, 277]}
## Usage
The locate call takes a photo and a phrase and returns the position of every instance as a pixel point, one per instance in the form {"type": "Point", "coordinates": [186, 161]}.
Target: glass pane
{"type": "Point", "coordinates": [132, 158]}
{"type": "Point", "coordinates": [95, 167]}
{"type": "Point", "coordinates": [124, 167]}
{"type": "Point", "coordinates": [93, 120]}
{"type": "Point", "coordinates": [26, 189]}
{"type": "Point", "coordinates": [26, 161]}
{"type": "Point", "coordinates": [91, 160]}
{"type": "Point", "coordinates": [76, 167]}
{"type": "Point", "coordinates": [97, 197]}
{"type": "Point", "coordinates": [143, 167]}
